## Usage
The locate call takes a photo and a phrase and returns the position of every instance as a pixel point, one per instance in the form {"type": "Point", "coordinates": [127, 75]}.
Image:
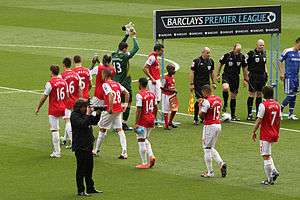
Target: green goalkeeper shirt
{"type": "Point", "coordinates": [120, 60]}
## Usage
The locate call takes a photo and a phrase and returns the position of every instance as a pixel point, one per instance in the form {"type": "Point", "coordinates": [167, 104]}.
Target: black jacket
{"type": "Point", "coordinates": [82, 131]}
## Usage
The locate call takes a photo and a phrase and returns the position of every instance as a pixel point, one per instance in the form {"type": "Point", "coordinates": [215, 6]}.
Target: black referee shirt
{"type": "Point", "coordinates": [202, 70]}
{"type": "Point", "coordinates": [233, 63]}
{"type": "Point", "coordinates": [256, 61]}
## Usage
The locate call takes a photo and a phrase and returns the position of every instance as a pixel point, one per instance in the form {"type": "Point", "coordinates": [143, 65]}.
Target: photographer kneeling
{"type": "Point", "coordinates": [82, 119]}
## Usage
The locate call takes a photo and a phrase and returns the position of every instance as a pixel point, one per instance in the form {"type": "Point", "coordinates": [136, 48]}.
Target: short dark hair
{"type": "Point", "coordinates": [122, 46]}
{"type": "Point", "coordinates": [67, 62]}
{"type": "Point", "coordinates": [77, 59]}
{"type": "Point", "coordinates": [54, 69]}
{"type": "Point", "coordinates": [170, 67]}
{"type": "Point", "coordinates": [143, 82]}
{"type": "Point", "coordinates": [79, 104]}
{"type": "Point", "coordinates": [298, 40]}
{"type": "Point", "coordinates": [206, 88]}
{"type": "Point", "coordinates": [106, 59]}
{"type": "Point", "coordinates": [268, 92]}
{"type": "Point", "coordinates": [158, 47]}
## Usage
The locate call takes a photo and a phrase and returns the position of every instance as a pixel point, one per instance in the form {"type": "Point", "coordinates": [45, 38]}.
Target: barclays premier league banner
{"type": "Point", "coordinates": [216, 22]}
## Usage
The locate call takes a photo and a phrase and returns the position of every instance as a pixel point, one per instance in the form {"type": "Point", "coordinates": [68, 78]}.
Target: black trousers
{"type": "Point", "coordinates": [85, 165]}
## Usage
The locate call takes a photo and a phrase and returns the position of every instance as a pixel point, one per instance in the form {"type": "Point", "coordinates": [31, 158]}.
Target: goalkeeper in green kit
{"type": "Point", "coordinates": [120, 60]}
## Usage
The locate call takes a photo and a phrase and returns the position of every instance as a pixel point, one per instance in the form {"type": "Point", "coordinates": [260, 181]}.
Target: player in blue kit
{"type": "Point", "coordinates": [289, 74]}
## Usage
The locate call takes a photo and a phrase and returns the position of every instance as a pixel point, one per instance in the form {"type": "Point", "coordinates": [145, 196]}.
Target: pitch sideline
{"type": "Point", "coordinates": [183, 114]}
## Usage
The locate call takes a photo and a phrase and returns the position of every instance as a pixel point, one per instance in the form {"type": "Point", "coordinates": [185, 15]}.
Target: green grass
{"type": "Point", "coordinates": [26, 172]}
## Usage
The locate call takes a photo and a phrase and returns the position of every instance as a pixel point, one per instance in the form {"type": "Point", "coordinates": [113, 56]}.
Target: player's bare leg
{"type": "Point", "coordinates": [101, 136]}
{"type": "Point", "coordinates": [123, 143]}
{"type": "Point", "coordinates": [172, 115]}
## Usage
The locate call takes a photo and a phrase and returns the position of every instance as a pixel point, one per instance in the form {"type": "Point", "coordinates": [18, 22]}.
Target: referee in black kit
{"type": "Point", "coordinates": [258, 77]}
{"type": "Point", "coordinates": [233, 62]}
{"type": "Point", "coordinates": [202, 71]}
{"type": "Point", "coordinates": [82, 119]}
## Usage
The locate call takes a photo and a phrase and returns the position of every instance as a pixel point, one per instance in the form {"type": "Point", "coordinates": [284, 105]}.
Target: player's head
{"type": "Point", "coordinates": [67, 62]}
{"type": "Point", "coordinates": [106, 60]}
{"type": "Point", "coordinates": [206, 90]}
{"type": "Point", "coordinates": [171, 69]}
{"type": "Point", "coordinates": [268, 92]}
{"type": "Point", "coordinates": [107, 74]}
{"type": "Point", "coordinates": [237, 48]}
{"type": "Point", "coordinates": [159, 48]}
{"type": "Point", "coordinates": [54, 69]}
{"type": "Point", "coordinates": [260, 45]}
{"type": "Point", "coordinates": [297, 44]}
{"type": "Point", "coordinates": [123, 46]}
{"type": "Point", "coordinates": [77, 59]}
{"type": "Point", "coordinates": [81, 106]}
{"type": "Point", "coordinates": [205, 53]}
{"type": "Point", "coordinates": [143, 82]}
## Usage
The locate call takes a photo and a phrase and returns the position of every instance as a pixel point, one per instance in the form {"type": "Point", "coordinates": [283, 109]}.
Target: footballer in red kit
{"type": "Point", "coordinates": [98, 98]}
{"type": "Point", "coordinates": [210, 110]}
{"type": "Point", "coordinates": [84, 75]}
{"type": "Point", "coordinates": [152, 71]}
{"type": "Point", "coordinates": [57, 91]}
{"type": "Point", "coordinates": [169, 98]}
{"type": "Point", "coordinates": [268, 119]}
{"type": "Point", "coordinates": [112, 117]}
{"type": "Point", "coordinates": [73, 81]}
{"type": "Point", "coordinates": [145, 119]}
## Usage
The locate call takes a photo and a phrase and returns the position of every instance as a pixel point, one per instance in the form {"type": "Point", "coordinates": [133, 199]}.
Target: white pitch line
{"type": "Point", "coordinates": [177, 66]}
{"type": "Point", "coordinates": [183, 114]}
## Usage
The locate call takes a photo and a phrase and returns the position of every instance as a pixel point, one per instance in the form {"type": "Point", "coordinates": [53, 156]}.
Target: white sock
{"type": "Point", "coordinates": [100, 139]}
{"type": "Point", "coordinates": [208, 159]}
{"type": "Point", "coordinates": [143, 152]}
{"type": "Point", "coordinates": [68, 130]}
{"type": "Point", "coordinates": [273, 165]}
{"type": "Point", "coordinates": [149, 148]}
{"type": "Point", "coordinates": [216, 156]}
{"type": "Point", "coordinates": [268, 169]}
{"type": "Point", "coordinates": [123, 142]}
{"type": "Point", "coordinates": [55, 142]}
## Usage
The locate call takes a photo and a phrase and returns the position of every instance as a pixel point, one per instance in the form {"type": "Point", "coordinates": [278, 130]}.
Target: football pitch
{"type": "Point", "coordinates": [37, 33]}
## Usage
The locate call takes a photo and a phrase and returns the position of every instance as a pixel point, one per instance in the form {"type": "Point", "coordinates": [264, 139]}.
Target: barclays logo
{"type": "Point", "coordinates": [205, 20]}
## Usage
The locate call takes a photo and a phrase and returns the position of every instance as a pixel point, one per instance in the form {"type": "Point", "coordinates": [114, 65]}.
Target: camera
{"type": "Point", "coordinates": [128, 28]}
{"type": "Point", "coordinates": [96, 104]}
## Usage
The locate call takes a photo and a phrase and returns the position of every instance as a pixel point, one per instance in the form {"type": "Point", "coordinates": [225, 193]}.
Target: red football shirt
{"type": "Point", "coordinates": [57, 91]}
{"type": "Point", "coordinates": [100, 80]}
{"type": "Point", "coordinates": [72, 79]}
{"type": "Point", "coordinates": [116, 88]}
{"type": "Point", "coordinates": [146, 100]}
{"type": "Point", "coordinates": [211, 106]}
{"type": "Point", "coordinates": [154, 68]}
{"type": "Point", "coordinates": [270, 113]}
{"type": "Point", "coordinates": [85, 77]}
{"type": "Point", "coordinates": [169, 83]}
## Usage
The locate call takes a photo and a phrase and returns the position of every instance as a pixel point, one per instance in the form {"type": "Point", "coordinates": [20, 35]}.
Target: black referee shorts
{"type": "Point", "coordinates": [233, 81]}
{"type": "Point", "coordinates": [257, 82]}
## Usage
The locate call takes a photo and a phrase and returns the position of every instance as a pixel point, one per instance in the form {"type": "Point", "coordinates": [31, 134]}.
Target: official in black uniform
{"type": "Point", "coordinates": [202, 71]}
{"type": "Point", "coordinates": [233, 62]}
{"type": "Point", "coordinates": [257, 75]}
{"type": "Point", "coordinates": [82, 144]}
